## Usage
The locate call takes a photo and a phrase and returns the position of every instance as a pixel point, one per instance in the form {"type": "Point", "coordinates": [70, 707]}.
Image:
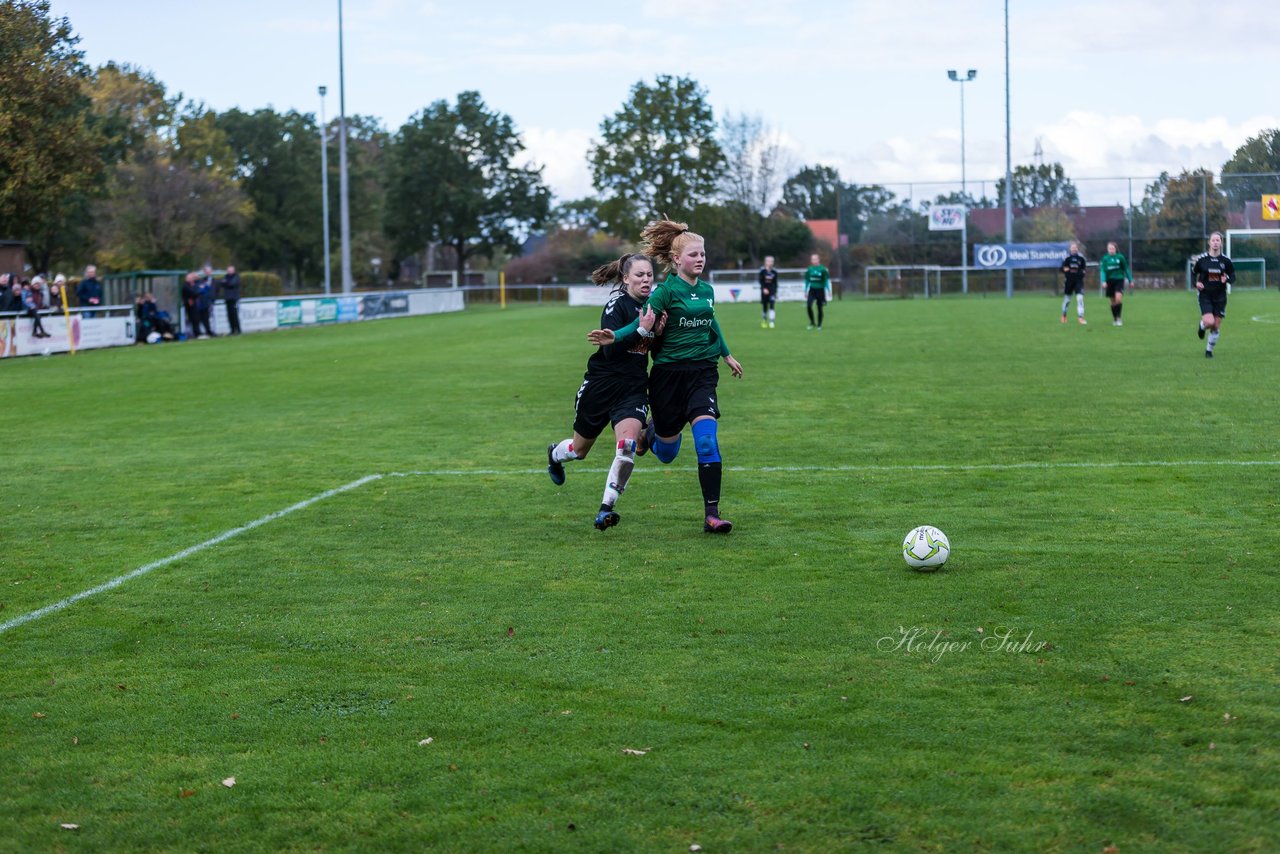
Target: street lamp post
{"type": "Point", "coordinates": [964, 189]}
{"type": "Point", "coordinates": [1008, 158]}
{"type": "Point", "coordinates": [344, 207]}
{"type": "Point", "coordinates": [324, 185]}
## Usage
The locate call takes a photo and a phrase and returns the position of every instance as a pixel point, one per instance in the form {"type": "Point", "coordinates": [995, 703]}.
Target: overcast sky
{"type": "Point", "coordinates": [1108, 88]}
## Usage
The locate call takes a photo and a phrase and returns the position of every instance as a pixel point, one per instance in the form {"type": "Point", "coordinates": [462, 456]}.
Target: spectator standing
{"type": "Point", "coordinates": [190, 298]}
{"type": "Point", "coordinates": [204, 301]}
{"type": "Point", "coordinates": [230, 285]}
{"type": "Point", "coordinates": [89, 291]}
{"type": "Point", "coordinates": [10, 294]}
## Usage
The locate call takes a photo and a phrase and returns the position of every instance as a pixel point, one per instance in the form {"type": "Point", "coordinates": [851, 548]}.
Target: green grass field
{"type": "Point", "coordinates": [1095, 667]}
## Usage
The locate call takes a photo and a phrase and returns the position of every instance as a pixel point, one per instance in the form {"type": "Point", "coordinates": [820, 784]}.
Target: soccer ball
{"type": "Point", "coordinates": [926, 548]}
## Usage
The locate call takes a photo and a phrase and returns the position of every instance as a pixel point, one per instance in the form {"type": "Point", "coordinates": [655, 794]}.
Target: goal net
{"type": "Point", "coordinates": [1251, 274]}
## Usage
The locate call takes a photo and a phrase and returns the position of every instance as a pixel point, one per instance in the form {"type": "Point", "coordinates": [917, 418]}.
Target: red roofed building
{"type": "Point", "coordinates": [825, 231]}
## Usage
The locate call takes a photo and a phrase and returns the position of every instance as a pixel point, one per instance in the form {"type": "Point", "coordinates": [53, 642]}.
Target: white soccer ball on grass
{"type": "Point", "coordinates": [926, 548]}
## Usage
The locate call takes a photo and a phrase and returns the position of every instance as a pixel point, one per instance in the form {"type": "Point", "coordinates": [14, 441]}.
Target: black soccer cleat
{"type": "Point", "coordinates": [1200, 331]}
{"type": "Point", "coordinates": [1208, 354]}
{"type": "Point", "coordinates": [555, 470]}
{"type": "Point", "coordinates": [606, 519]}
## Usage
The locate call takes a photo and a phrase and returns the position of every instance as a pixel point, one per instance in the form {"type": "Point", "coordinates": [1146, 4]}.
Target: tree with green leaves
{"type": "Point", "coordinates": [659, 154]}
{"type": "Point", "coordinates": [50, 151]}
{"type": "Point", "coordinates": [453, 178]}
{"type": "Point", "coordinates": [812, 193]}
{"type": "Point", "coordinates": [1257, 163]}
{"type": "Point", "coordinates": [1045, 185]}
{"type": "Point", "coordinates": [1190, 207]}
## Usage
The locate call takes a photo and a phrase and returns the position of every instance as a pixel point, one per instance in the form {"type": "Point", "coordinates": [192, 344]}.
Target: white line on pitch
{"type": "Point", "coordinates": [187, 552]}
{"type": "Point", "coordinates": [874, 468]}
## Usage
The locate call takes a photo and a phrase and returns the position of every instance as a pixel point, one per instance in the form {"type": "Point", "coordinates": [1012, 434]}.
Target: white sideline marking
{"type": "Point", "coordinates": [871, 468]}
{"type": "Point", "coordinates": [1263, 318]}
{"type": "Point", "coordinates": [187, 552]}
{"type": "Point", "coordinates": [355, 484]}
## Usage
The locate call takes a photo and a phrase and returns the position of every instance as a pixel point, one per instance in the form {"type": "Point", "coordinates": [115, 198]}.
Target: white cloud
{"type": "Point", "coordinates": [563, 156]}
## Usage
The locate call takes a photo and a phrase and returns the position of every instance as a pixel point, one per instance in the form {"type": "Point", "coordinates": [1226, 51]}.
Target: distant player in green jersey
{"type": "Point", "coordinates": [1114, 270]}
{"type": "Point", "coordinates": [817, 280]}
{"type": "Point", "coordinates": [1214, 272]}
{"type": "Point", "coordinates": [684, 376]}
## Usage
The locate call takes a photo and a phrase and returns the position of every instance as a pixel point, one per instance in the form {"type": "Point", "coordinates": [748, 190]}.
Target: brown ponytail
{"type": "Point", "coordinates": [615, 271]}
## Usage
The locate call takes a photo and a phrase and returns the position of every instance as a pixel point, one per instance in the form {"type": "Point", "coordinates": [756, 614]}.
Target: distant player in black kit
{"type": "Point", "coordinates": [1213, 272]}
{"type": "Point", "coordinates": [613, 389]}
{"type": "Point", "coordinates": [768, 293]}
{"type": "Point", "coordinates": [1073, 268]}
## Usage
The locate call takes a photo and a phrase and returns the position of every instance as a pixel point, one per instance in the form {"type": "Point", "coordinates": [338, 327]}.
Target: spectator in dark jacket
{"type": "Point", "coordinates": [205, 292]}
{"type": "Point", "coordinates": [89, 291]}
{"type": "Point", "coordinates": [190, 298]}
{"type": "Point", "coordinates": [230, 285]}
{"type": "Point", "coordinates": [10, 294]}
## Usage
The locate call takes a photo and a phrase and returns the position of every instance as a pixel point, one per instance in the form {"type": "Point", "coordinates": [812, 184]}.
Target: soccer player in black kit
{"type": "Point", "coordinates": [1213, 272]}
{"type": "Point", "coordinates": [768, 293]}
{"type": "Point", "coordinates": [614, 388]}
{"type": "Point", "coordinates": [1073, 268]}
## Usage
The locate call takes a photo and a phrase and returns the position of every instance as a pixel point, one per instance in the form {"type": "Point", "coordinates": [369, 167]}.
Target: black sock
{"type": "Point", "coordinates": [1119, 308]}
{"type": "Point", "coordinates": [709, 479]}
{"type": "Point", "coordinates": [606, 508]}
{"type": "Point", "coordinates": [819, 314]}
{"type": "Point", "coordinates": [1115, 312]}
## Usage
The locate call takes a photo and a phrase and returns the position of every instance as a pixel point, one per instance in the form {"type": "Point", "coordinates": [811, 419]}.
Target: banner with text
{"type": "Point", "coordinates": [1015, 256]}
{"type": "Point", "coordinates": [946, 218]}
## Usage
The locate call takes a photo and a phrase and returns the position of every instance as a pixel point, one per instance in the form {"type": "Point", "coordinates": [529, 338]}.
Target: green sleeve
{"type": "Point", "coordinates": [654, 302]}
{"type": "Point", "coordinates": [724, 345]}
{"type": "Point", "coordinates": [826, 277]}
{"type": "Point", "coordinates": [1127, 273]}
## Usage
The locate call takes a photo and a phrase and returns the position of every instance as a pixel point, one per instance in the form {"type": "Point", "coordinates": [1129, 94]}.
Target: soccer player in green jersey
{"type": "Point", "coordinates": [683, 379]}
{"type": "Point", "coordinates": [818, 280]}
{"type": "Point", "coordinates": [1114, 270]}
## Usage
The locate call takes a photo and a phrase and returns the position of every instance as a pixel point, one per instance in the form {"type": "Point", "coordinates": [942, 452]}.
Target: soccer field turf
{"type": "Point", "coordinates": [1095, 666]}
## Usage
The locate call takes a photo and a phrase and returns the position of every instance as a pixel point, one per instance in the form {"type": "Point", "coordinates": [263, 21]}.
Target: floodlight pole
{"type": "Point", "coordinates": [1008, 159]}
{"type": "Point", "coordinates": [964, 190]}
{"type": "Point", "coordinates": [324, 185]}
{"type": "Point", "coordinates": [344, 207]}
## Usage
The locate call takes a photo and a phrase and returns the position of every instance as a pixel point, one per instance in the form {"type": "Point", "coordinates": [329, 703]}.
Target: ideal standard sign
{"type": "Point", "coordinates": [1012, 256]}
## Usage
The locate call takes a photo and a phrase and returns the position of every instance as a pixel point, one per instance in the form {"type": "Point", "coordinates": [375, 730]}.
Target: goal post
{"type": "Point", "coordinates": [1258, 244]}
{"type": "Point", "coordinates": [1251, 273]}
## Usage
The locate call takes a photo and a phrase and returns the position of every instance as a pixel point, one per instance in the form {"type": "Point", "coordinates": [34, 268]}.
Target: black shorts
{"type": "Point", "coordinates": [768, 300]}
{"type": "Point", "coordinates": [1070, 287]}
{"type": "Point", "coordinates": [681, 393]}
{"type": "Point", "coordinates": [818, 295]}
{"type": "Point", "coordinates": [607, 400]}
{"type": "Point", "coordinates": [1213, 302]}
{"type": "Point", "coordinates": [1115, 286]}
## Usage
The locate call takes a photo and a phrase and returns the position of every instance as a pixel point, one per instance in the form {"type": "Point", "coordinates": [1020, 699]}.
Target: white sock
{"type": "Point", "coordinates": [1066, 301]}
{"type": "Point", "coordinates": [1213, 340]}
{"type": "Point", "coordinates": [773, 315]}
{"type": "Point", "coordinates": [564, 451]}
{"type": "Point", "coordinates": [1079, 305]}
{"type": "Point", "coordinates": [620, 472]}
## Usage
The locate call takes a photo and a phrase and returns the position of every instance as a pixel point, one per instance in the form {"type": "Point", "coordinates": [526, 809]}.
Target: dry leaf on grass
{"type": "Point", "coordinates": [38, 715]}
{"type": "Point", "coordinates": [425, 741]}
{"type": "Point", "coordinates": [229, 782]}
{"type": "Point", "coordinates": [1186, 699]}
{"type": "Point", "coordinates": [69, 826]}
{"type": "Point", "coordinates": [186, 793]}
{"type": "Point", "coordinates": [631, 751]}
{"type": "Point", "coordinates": [695, 847]}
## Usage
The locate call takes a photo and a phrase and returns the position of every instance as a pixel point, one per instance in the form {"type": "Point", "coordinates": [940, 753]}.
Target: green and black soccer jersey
{"type": "Point", "coordinates": [692, 333]}
{"type": "Point", "coordinates": [817, 277]}
{"type": "Point", "coordinates": [1114, 268]}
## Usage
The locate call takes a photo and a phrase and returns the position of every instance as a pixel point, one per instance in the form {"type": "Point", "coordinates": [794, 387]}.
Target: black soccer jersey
{"type": "Point", "coordinates": [1214, 273]}
{"type": "Point", "coordinates": [769, 279]}
{"type": "Point", "coordinates": [1073, 267]}
{"type": "Point", "coordinates": [627, 358]}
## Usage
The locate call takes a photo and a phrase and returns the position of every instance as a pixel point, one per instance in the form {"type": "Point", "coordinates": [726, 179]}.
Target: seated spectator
{"type": "Point", "coordinates": [33, 303]}
{"type": "Point", "coordinates": [152, 320]}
